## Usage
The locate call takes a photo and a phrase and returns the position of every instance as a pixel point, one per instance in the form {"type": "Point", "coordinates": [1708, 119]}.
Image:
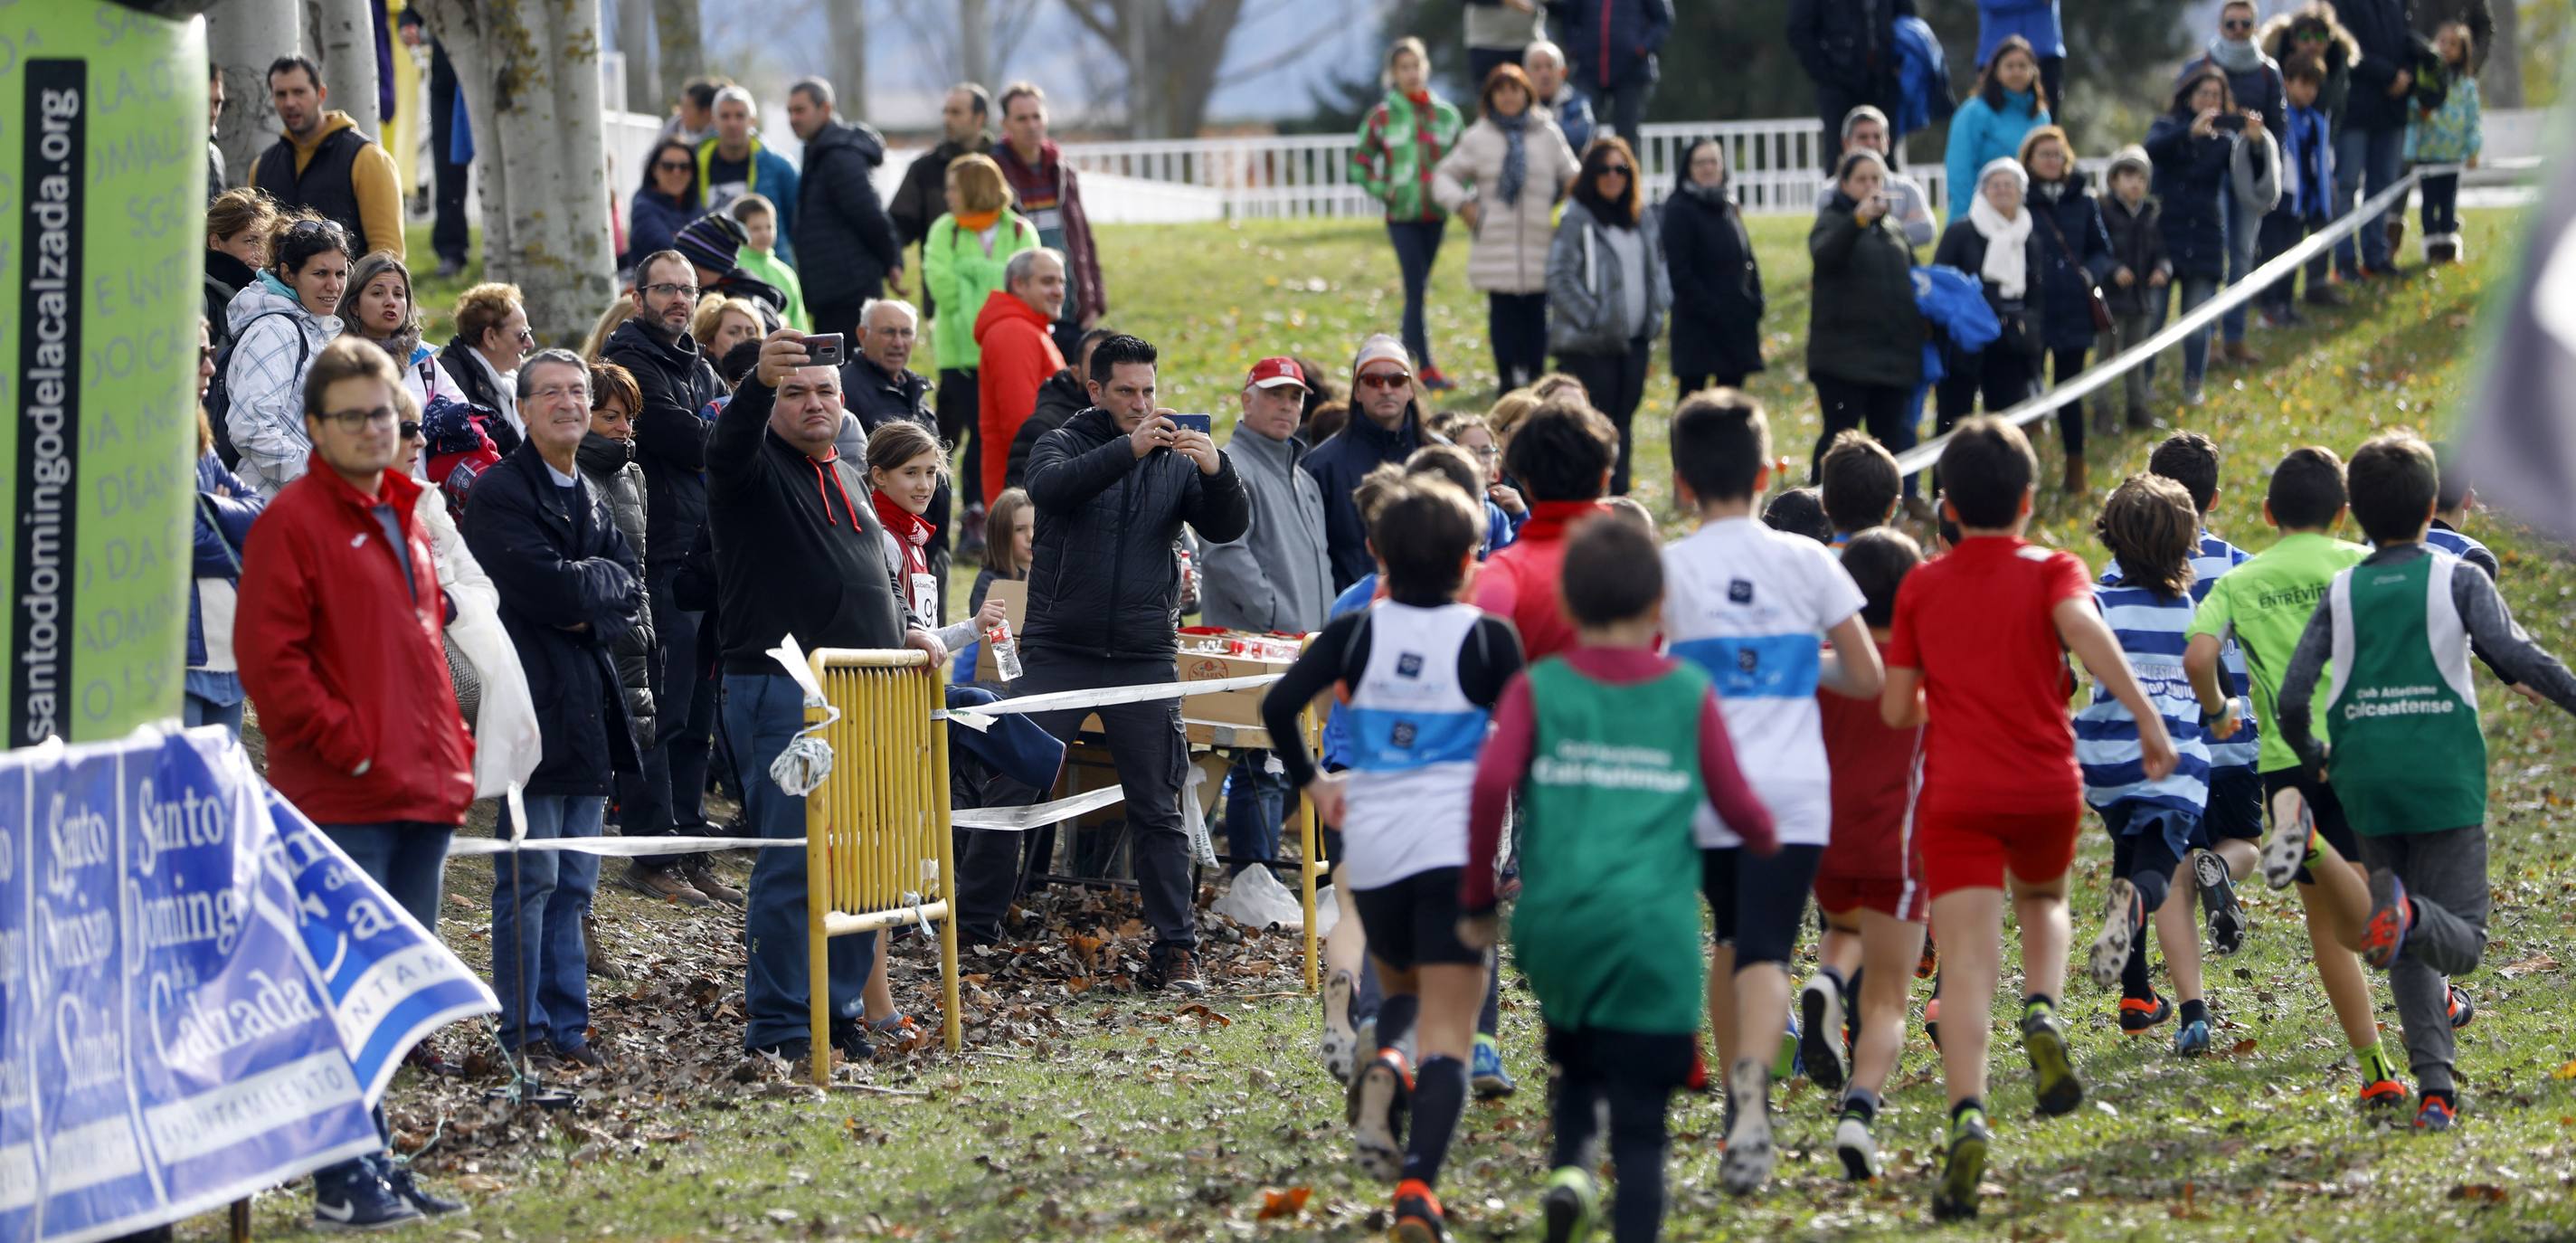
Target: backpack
{"type": "Point", "coordinates": [458, 447]}
{"type": "Point", "coordinates": [219, 400]}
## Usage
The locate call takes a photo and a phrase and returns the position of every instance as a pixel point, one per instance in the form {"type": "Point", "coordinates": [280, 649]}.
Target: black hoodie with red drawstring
{"type": "Point", "coordinates": [797, 552]}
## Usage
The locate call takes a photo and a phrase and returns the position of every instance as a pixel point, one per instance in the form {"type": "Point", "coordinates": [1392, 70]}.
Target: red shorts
{"type": "Point", "coordinates": [1896, 898]}
{"type": "Point", "coordinates": [1973, 850]}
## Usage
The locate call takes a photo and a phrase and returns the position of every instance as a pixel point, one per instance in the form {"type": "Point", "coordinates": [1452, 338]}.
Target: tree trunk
{"type": "Point", "coordinates": [242, 36]}
{"type": "Point", "coordinates": [2501, 84]}
{"type": "Point", "coordinates": [1171, 59]}
{"type": "Point", "coordinates": [849, 56]}
{"type": "Point", "coordinates": [974, 49]}
{"type": "Point", "coordinates": [529, 70]}
{"type": "Point", "coordinates": [681, 47]}
{"type": "Point", "coordinates": [344, 41]}
{"type": "Point", "coordinates": [635, 40]}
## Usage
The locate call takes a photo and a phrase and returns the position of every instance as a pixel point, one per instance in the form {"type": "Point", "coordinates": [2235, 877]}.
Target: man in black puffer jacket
{"type": "Point", "coordinates": [1112, 488]}
{"type": "Point", "coordinates": [675, 379]}
{"type": "Point", "coordinates": [845, 246]}
{"type": "Point", "coordinates": [2370, 136]}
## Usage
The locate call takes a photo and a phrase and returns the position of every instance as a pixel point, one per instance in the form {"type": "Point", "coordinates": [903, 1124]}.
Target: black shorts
{"type": "Point", "coordinates": [1415, 921]}
{"type": "Point", "coordinates": [2323, 807]}
{"type": "Point", "coordinates": [1756, 902]}
{"type": "Point", "coordinates": [2236, 801]}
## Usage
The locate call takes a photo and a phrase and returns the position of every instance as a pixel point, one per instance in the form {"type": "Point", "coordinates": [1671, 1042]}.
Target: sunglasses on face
{"type": "Point", "coordinates": [409, 429]}
{"type": "Point", "coordinates": [1385, 379]}
{"type": "Point", "coordinates": [1614, 170]}
{"type": "Point", "coordinates": [2236, 23]}
{"type": "Point", "coordinates": [668, 166]}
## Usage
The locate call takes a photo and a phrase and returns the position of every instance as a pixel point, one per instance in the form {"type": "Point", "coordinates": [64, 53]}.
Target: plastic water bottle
{"type": "Point", "coordinates": [1006, 651]}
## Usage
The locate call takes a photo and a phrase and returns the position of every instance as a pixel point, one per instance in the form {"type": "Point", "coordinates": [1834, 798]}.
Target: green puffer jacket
{"type": "Point", "coordinates": [1401, 140]}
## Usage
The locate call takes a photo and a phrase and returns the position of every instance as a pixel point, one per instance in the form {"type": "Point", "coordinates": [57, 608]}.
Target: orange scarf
{"type": "Point", "coordinates": [977, 221]}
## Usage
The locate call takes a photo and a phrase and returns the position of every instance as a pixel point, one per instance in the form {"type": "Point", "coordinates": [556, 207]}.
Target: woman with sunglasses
{"type": "Point", "coordinates": [279, 322]}
{"type": "Point", "coordinates": [382, 312]}
{"type": "Point", "coordinates": [1607, 288]}
{"type": "Point", "coordinates": [492, 335]}
{"type": "Point", "coordinates": [666, 202]}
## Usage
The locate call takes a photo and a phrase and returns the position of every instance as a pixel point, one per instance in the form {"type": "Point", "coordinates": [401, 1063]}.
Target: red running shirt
{"type": "Point", "coordinates": [1874, 770]}
{"type": "Point", "coordinates": [1976, 623]}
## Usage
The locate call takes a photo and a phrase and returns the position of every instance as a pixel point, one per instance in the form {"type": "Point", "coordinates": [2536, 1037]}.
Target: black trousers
{"type": "Point", "coordinates": [1634, 1073]}
{"type": "Point", "coordinates": [1152, 756]}
{"type": "Point", "coordinates": [841, 317]}
{"type": "Point", "coordinates": [2003, 375]}
{"type": "Point", "coordinates": [2065, 365]}
{"type": "Point", "coordinates": [1616, 382]}
{"type": "Point", "coordinates": [447, 231]}
{"type": "Point", "coordinates": [1517, 325]}
{"type": "Point", "coordinates": [1884, 410]}
{"type": "Point", "coordinates": [958, 408]}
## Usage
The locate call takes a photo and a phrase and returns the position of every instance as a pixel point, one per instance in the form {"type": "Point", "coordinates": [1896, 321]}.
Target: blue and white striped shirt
{"type": "Point", "coordinates": [2153, 630]}
{"type": "Point", "coordinates": [2215, 558]}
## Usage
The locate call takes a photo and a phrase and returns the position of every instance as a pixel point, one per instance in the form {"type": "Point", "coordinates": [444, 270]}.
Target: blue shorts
{"type": "Point", "coordinates": [2180, 831]}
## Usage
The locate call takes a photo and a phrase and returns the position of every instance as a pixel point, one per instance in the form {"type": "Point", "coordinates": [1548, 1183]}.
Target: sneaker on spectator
{"type": "Point", "coordinates": [357, 1198]}
{"type": "Point", "coordinates": [398, 1178]}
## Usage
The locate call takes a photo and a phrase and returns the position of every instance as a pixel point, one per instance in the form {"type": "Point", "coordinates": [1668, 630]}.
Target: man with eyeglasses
{"type": "Point", "coordinates": [570, 589]}
{"type": "Point", "coordinates": [1386, 426]}
{"type": "Point", "coordinates": [338, 640]}
{"type": "Point", "coordinates": [676, 380]}
{"type": "Point", "coordinates": [1275, 577]}
{"type": "Point", "coordinates": [2255, 81]}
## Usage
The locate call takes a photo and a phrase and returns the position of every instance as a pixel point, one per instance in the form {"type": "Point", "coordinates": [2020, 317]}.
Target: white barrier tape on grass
{"type": "Point", "coordinates": [1103, 697]}
{"type": "Point", "coordinates": [2101, 374]}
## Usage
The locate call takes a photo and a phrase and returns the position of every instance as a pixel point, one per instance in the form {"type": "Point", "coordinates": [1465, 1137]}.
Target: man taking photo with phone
{"type": "Point", "coordinates": [1112, 488]}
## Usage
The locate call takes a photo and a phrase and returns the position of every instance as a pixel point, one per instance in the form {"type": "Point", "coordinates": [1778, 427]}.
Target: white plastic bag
{"type": "Point", "coordinates": [1256, 899]}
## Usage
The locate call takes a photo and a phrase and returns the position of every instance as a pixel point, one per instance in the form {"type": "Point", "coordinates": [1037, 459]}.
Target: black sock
{"type": "Point", "coordinates": [2034, 1001]}
{"type": "Point", "coordinates": [1439, 1093]}
{"type": "Point", "coordinates": [2151, 886]}
{"type": "Point", "coordinates": [2195, 1012]}
{"type": "Point", "coordinates": [2133, 973]}
{"type": "Point", "coordinates": [1395, 1019]}
{"type": "Point", "coordinates": [1861, 1101]}
{"type": "Point", "coordinates": [1489, 1020]}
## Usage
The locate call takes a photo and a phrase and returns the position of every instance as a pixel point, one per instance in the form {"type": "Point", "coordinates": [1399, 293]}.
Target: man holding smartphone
{"type": "Point", "coordinates": [1112, 488]}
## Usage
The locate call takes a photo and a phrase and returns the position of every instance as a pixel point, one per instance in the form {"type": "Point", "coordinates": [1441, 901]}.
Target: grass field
{"type": "Point", "coordinates": [1084, 1111]}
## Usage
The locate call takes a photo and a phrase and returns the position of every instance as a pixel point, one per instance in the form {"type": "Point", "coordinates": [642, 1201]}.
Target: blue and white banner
{"type": "Point", "coordinates": [200, 996]}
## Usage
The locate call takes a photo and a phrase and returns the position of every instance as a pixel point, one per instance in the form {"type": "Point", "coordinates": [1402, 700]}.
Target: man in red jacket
{"type": "Point", "coordinates": [1014, 331]}
{"type": "Point", "coordinates": [338, 639]}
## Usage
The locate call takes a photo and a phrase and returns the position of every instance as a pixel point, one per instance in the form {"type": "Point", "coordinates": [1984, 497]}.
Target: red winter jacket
{"type": "Point", "coordinates": [344, 661]}
{"type": "Point", "coordinates": [1018, 355]}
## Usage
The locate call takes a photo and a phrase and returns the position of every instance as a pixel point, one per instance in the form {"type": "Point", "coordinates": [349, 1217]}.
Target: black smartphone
{"type": "Point", "coordinates": [2228, 121]}
{"type": "Point", "coordinates": [823, 349]}
{"type": "Point", "coordinates": [1203, 424]}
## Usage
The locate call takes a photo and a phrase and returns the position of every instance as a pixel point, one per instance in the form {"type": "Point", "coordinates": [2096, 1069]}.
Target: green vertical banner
{"type": "Point", "coordinates": [102, 187]}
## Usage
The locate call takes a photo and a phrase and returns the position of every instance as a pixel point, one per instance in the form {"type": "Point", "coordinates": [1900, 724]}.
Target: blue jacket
{"type": "Point", "coordinates": [1923, 76]}
{"type": "Point", "coordinates": [1955, 303]}
{"type": "Point", "coordinates": [1980, 135]}
{"type": "Point", "coordinates": [2035, 20]}
{"type": "Point", "coordinates": [2309, 152]}
{"type": "Point", "coordinates": [652, 220]}
{"type": "Point", "coordinates": [2191, 183]}
{"type": "Point", "coordinates": [2068, 321]}
{"type": "Point", "coordinates": [1610, 43]}
{"type": "Point", "coordinates": [222, 528]}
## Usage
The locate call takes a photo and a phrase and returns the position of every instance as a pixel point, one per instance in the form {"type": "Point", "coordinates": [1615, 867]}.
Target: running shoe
{"type": "Point", "coordinates": [1341, 1042]}
{"type": "Point", "coordinates": [2227, 920]}
{"type": "Point", "coordinates": [1856, 1146]}
{"type": "Point", "coordinates": [2141, 1014]}
{"type": "Point", "coordinates": [1417, 1214]}
{"type": "Point", "coordinates": [2193, 1039]}
{"type": "Point", "coordinates": [2435, 1114]}
{"type": "Point", "coordinates": [2383, 935]}
{"type": "Point", "coordinates": [1787, 1065]}
{"type": "Point", "coordinates": [2381, 1096]}
{"type": "Point", "coordinates": [1820, 1042]}
{"type": "Point", "coordinates": [1377, 1106]}
{"type": "Point", "coordinates": [2053, 1082]}
{"type": "Point", "coordinates": [1569, 1204]}
{"type": "Point", "coordinates": [2123, 912]}
{"type": "Point", "coordinates": [2464, 1009]}
{"type": "Point", "coordinates": [1955, 1197]}
{"type": "Point", "coordinates": [1485, 1073]}
{"type": "Point", "coordinates": [1433, 380]}
{"type": "Point", "coordinates": [2286, 850]}
{"type": "Point", "coordinates": [1749, 1152]}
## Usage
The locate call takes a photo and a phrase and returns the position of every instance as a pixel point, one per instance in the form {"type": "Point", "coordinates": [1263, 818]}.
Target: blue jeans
{"type": "Point", "coordinates": [195, 712]}
{"type": "Point", "coordinates": [539, 963]}
{"type": "Point", "coordinates": [2380, 157]}
{"type": "Point", "coordinates": [2195, 348]}
{"type": "Point", "coordinates": [407, 861]}
{"type": "Point", "coordinates": [1256, 801]}
{"type": "Point", "coordinates": [762, 711]}
{"type": "Point", "coordinates": [1417, 244]}
{"type": "Point", "coordinates": [2244, 225]}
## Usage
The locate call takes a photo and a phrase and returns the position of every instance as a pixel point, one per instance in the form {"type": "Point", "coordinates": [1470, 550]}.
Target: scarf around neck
{"type": "Point", "coordinates": [977, 221]}
{"type": "Point", "coordinates": [911, 531]}
{"type": "Point", "coordinates": [2005, 263]}
{"type": "Point", "coordinates": [2235, 56]}
{"type": "Point", "coordinates": [1515, 155]}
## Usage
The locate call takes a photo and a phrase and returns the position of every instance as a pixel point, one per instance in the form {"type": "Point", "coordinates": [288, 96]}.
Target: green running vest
{"type": "Point", "coordinates": [2408, 755]}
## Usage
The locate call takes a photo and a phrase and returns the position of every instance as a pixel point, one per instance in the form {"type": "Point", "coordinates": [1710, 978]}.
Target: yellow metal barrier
{"type": "Point", "coordinates": [877, 847]}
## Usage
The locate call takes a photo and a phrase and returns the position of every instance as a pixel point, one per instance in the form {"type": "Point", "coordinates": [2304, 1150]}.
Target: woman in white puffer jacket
{"type": "Point", "coordinates": [1504, 179]}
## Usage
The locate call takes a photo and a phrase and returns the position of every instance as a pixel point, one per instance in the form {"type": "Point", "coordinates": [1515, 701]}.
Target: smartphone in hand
{"type": "Point", "coordinates": [1203, 424]}
{"type": "Point", "coordinates": [824, 349]}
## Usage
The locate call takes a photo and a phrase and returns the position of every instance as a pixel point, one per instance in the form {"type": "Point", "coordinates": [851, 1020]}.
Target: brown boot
{"type": "Point", "coordinates": [601, 965]}
{"type": "Point", "coordinates": [2242, 354]}
{"type": "Point", "coordinates": [2075, 480]}
{"type": "Point", "coordinates": [664, 883]}
{"type": "Point", "coordinates": [701, 876]}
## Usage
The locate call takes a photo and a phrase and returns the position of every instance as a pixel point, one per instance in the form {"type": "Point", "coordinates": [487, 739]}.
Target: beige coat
{"type": "Point", "coordinates": [1509, 252]}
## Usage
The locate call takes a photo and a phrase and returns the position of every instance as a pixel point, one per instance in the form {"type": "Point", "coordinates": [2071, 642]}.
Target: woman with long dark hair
{"type": "Point", "coordinates": [1607, 290]}
{"type": "Point", "coordinates": [667, 201]}
{"type": "Point", "coordinates": [1717, 286]}
{"type": "Point", "coordinates": [2192, 152]}
{"type": "Point", "coordinates": [1503, 179]}
{"type": "Point", "coordinates": [1401, 140]}
{"type": "Point", "coordinates": [2009, 102]}
{"type": "Point", "coordinates": [380, 309]}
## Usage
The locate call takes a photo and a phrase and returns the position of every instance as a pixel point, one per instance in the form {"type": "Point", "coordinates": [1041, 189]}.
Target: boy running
{"type": "Point", "coordinates": [1421, 673]}
{"type": "Point", "coordinates": [2264, 605]}
{"type": "Point", "coordinates": [2153, 531]}
{"type": "Point", "coordinates": [2408, 754]}
{"type": "Point", "coordinates": [1976, 655]}
{"type": "Point", "coordinates": [1748, 604]}
{"type": "Point", "coordinates": [1611, 750]}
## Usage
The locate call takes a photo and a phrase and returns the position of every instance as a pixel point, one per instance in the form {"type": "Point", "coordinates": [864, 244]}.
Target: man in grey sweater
{"type": "Point", "coordinates": [1275, 578]}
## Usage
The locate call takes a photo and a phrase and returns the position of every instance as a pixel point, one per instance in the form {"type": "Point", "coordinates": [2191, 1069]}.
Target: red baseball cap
{"type": "Point", "coordinates": [1273, 372]}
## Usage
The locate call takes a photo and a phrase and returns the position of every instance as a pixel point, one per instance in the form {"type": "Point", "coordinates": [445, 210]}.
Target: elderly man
{"type": "Point", "coordinates": [878, 387]}
{"type": "Point", "coordinates": [1385, 426]}
{"type": "Point", "coordinates": [1112, 488]}
{"type": "Point", "coordinates": [1544, 62]}
{"type": "Point", "coordinates": [569, 586]}
{"type": "Point", "coordinates": [1015, 333]}
{"type": "Point", "coordinates": [734, 163]}
{"type": "Point", "coordinates": [1275, 578]}
{"type": "Point", "coordinates": [846, 249]}
{"type": "Point", "coordinates": [796, 554]}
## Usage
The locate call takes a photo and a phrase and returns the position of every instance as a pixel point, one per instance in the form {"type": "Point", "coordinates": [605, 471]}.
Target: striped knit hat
{"type": "Point", "coordinates": [712, 242]}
